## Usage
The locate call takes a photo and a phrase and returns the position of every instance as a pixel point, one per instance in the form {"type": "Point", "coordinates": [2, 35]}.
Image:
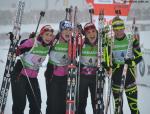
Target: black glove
{"type": "Point", "coordinates": [11, 36]}
{"type": "Point", "coordinates": [49, 71]}
{"type": "Point", "coordinates": [104, 65]}
{"type": "Point", "coordinates": [32, 35]}
{"type": "Point", "coordinates": [128, 61]}
{"type": "Point", "coordinates": [114, 65]}
{"type": "Point", "coordinates": [136, 44]}
{"type": "Point", "coordinates": [18, 52]}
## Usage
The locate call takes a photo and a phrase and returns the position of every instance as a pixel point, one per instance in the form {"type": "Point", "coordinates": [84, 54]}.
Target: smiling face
{"type": "Point", "coordinates": [118, 27]}
{"type": "Point", "coordinates": [66, 33]}
{"type": "Point", "coordinates": [48, 37]}
{"type": "Point", "coordinates": [119, 33]}
{"type": "Point", "coordinates": [91, 34]}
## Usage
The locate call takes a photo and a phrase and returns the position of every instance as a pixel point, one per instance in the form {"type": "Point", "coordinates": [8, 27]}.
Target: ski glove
{"type": "Point", "coordinates": [18, 52]}
{"type": "Point", "coordinates": [104, 64]}
{"type": "Point", "coordinates": [129, 62]}
{"type": "Point", "coordinates": [11, 36]}
{"type": "Point", "coordinates": [32, 35]}
{"type": "Point", "coordinates": [136, 44]}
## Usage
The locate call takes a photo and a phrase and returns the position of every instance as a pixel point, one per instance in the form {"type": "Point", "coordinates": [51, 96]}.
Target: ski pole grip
{"type": "Point", "coordinates": [67, 10]}
{"type": "Point", "coordinates": [91, 11]}
{"type": "Point", "coordinates": [42, 13]}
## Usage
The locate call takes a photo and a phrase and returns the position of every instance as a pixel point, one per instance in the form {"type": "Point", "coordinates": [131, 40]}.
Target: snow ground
{"type": "Point", "coordinates": [144, 92]}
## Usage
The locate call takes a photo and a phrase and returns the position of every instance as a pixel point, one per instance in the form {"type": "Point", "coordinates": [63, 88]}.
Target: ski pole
{"type": "Point", "coordinates": [33, 34]}
{"type": "Point", "coordinates": [91, 11]}
{"type": "Point", "coordinates": [42, 13]}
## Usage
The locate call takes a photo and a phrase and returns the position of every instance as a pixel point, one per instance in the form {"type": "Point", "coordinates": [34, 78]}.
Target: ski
{"type": "Point", "coordinates": [99, 106]}
{"type": "Point", "coordinates": [79, 41]}
{"type": "Point", "coordinates": [11, 57]}
{"type": "Point", "coordinates": [125, 68]}
{"type": "Point", "coordinates": [110, 43]}
{"type": "Point", "coordinates": [72, 68]}
{"type": "Point", "coordinates": [68, 13]}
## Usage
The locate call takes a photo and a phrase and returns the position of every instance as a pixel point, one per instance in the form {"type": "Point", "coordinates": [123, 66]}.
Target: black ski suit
{"type": "Point", "coordinates": [24, 85]}
{"type": "Point", "coordinates": [56, 85]}
{"type": "Point", "coordinates": [130, 83]}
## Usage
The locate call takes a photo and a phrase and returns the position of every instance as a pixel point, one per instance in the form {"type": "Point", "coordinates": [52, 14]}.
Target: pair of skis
{"type": "Point", "coordinates": [125, 68]}
{"type": "Point", "coordinates": [104, 50]}
{"type": "Point", "coordinates": [100, 74]}
{"type": "Point", "coordinates": [11, 57]}
{"type": "Point", "coordinates": [109, 77]}
{"type": "Point", "coordinates": [72, 79]}
{"type": "Point", "coordinates": [14, 38]}
{"type": "Point", "coordinates": [74, 52]}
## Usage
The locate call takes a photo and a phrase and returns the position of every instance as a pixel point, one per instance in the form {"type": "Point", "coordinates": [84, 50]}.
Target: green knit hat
{"type": "Point", "coordinates": [118, 24]}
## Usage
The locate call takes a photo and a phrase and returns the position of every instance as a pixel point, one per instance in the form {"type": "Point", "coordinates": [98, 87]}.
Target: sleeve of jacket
{"type": "Point", "coordinates": [137, 52]}
{"type": "Point", "coordinates": [25, 45]}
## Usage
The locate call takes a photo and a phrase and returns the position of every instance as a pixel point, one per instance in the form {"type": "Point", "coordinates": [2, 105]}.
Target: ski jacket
{"type": "Point", "coordinates": [58, 58]}
{"type": "Point", "coordinates": [33, 59]}
{"type": "Point", "coordinates": [88, 60]}
{"type": "Point", "coordinates": [120, 48]}
{"type": "Point", "coordinates": [89, 56]}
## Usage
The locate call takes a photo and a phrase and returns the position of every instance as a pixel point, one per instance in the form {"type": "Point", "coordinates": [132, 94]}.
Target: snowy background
{"type": "Point", "coordinates": [143, 80]}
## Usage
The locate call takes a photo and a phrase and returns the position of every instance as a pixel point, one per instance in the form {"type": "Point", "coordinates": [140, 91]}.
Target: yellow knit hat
{"type": "Point", "coordinates": [118, 24]}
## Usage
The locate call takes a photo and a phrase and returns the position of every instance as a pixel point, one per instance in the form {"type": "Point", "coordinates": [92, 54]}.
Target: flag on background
{"type": "Point", "coordinates": [109, 7]}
